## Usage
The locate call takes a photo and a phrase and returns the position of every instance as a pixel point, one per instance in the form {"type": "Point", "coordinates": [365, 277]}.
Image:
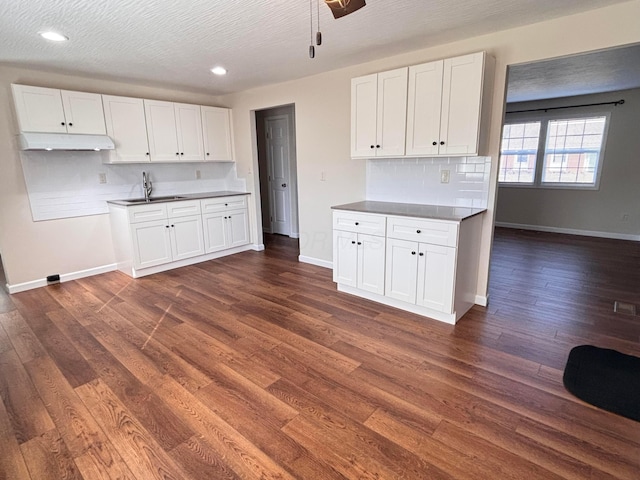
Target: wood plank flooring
{"type": "Point", "coordinates": [254, 367]}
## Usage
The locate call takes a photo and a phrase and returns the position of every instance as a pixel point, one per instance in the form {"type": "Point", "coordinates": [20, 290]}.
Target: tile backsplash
{"type": "Point", "coordinates": [418, 180]}
{"type": "Point", "coordinates": [66, 184]}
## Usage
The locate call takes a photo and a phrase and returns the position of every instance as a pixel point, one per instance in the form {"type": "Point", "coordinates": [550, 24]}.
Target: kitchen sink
{"type": "Point", "coordinates": [154, 199]}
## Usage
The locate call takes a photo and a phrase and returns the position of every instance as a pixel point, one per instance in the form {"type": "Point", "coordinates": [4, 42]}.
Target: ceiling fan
{"type": "Point", "coordinates": [339, 8]}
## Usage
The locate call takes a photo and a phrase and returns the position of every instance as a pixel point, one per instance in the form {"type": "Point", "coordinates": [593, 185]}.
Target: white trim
{"type": "Point", "coordinates": [66, 277]}
{"type": "Point", "coordinates": [571, 231]}
{"type": "Point", "coordinates": [294, 235]}
{"type": "Point", "coordinates": [257, 247]}
{"type": "Point", "coordinates": [482, 300]}
{"type": "Point", "coordinates": [315, 261]}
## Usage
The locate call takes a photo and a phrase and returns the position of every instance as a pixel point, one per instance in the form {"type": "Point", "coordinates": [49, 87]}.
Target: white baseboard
{"type": "Point", "coordinates": [294, 235]}
{"type": "Point", "coordinates": [65, 277]}
{"type": "Point", "coordinates": [570, 231]}
{"type": "Point", "coordinates": [258, 247]}
{"type": "Point", "coordinates": [315, 261]}
{"type": "Point", "coordinates": [482, 300]}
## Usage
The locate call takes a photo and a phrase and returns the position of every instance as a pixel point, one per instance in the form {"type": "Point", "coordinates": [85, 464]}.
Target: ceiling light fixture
{"type": "Point", "coordinates": [219, 71]}
{"type": "Point", "coordinates": [54, 36]}
{"type": "Point", "coordinates": [339, 8]}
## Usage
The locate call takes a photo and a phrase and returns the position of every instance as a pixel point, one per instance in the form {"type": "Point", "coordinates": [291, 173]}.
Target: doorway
{"type": "Point", "coordinates": [277, 169]}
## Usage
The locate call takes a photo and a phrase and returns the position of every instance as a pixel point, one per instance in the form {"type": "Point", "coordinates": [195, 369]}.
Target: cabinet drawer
{"type": "Point", "coordinates": [359, 222]}
{"type": "Point", "coordinates": [222, 204]}
{"type": "Point", "coordinates": [183, 208]}
{"type": "Point", "coordinates": [145, 213]}
{"type": "Point", "coordinates": [435, 232]}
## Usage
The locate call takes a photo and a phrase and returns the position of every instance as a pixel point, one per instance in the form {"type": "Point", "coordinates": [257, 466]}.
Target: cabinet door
{"type": "Point", "coordinates": [186, 237]}
{"type": "Point", "coordinates": [436, 274]}
{"type": "Point", "coordinates": [424, 105]}
{"type": "Point", "coordinates": [345, 258]}
{"type": "Point", "coordinates": [161, 131]}
{"type": "Point", "coordinates": [391, 113]}
{"type": "Point", "coordinates": [215, 231]}
{"type": "Point", "coordinates": [127, 128]}
{"type": "Point", "coordinates": [238, 222]}
{"type": "Point", "coordinates": [401, 270]}
{"type": "Point", "coordinates": [151, 243]}
{"type": "Point", "coordinates": [189, 125]}
{"type": "Point", "coordinates": [371, 259]}
{"type": "Point", "coordinates": [83, 112]}
{"type": "Point", "coordinates": [216, 128]}
{"type": "Point", "coordinates": [39, 109]}
{"type": "Point", "coordinates": [364, 95]}
{"type": "Point", "coordinates": [461, 104]}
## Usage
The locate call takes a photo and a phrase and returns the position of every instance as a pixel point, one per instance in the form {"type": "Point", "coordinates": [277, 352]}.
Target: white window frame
{"type": "Point", "coordinates": [544, 118]}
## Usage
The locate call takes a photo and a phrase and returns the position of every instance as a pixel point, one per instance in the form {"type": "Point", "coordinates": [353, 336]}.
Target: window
{"type": "Point", "coordinates": [553, 152]}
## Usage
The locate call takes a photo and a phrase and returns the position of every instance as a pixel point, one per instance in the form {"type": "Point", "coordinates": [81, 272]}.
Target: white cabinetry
{"type": "Point", "coordinates": [445, 102]}
{"type": "Point", "coordinates": [226, 223]}
{"type": "Point", "coordinates": [378, 114]}
{"type": "Point", "coordinates": [174, 131]}
{"type": "Point", "coordinates": [49, 110]}
{"type": "Point", "coordinates": [359, 258]}
{"type": "Point", "coordinates": [216, 126]}
{"type": "Point", "coordinates": [421, 265]}
{"type": "Point", "coordinates": [126, 125]}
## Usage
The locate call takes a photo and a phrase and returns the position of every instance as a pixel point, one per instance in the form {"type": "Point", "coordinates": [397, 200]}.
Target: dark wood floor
{"type": "Point", "coordinates": [254, 367]}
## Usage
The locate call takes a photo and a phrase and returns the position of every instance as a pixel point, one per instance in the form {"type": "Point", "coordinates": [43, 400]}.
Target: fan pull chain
{"type": "Point", "coordinates": [312, 49]}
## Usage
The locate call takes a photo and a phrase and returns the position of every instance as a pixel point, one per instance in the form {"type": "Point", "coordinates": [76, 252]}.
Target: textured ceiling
{"type": "Point", "coordinates": [596, 72]}
{"type": "Point", "coordinates": [175, 42]}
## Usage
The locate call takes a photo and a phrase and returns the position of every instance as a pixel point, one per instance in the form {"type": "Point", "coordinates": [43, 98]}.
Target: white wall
{"type": "Point", "coordinates": [323, 111]}
{"type": "Point", "coordinates": [591, 211]}
{"type": "Point", "coordinates": [32, 250]}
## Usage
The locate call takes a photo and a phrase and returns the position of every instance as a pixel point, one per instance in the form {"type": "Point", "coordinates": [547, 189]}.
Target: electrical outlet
{"type": "Point", "coordinates": [624, 217]}
{"type": "Point", "coordinates": [444, 176]}
{"type": "Point", "coordinates": [198, 175]}
{"type": "Point", "coordinates": [323, 176]}
{"type": "Point", "coordinates": [102, 178]}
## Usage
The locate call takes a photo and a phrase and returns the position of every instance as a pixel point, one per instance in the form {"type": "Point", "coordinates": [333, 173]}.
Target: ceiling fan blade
{"type": "Point", "coordinates": [340, 8]}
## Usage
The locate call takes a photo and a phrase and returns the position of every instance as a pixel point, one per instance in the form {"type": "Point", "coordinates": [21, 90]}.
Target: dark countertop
{"type": "Point", "coordinates": [438, 212]}
{"type": "Point", "coordinates": [175, 198]}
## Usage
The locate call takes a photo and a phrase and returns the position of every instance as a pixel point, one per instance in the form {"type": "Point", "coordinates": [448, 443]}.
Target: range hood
{"type": "Point", "coordinates": [63, 141]}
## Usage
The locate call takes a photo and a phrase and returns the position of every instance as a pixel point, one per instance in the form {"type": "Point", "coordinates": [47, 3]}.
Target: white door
{"type": "Point", "coordinates": [364, 95]}
{"type": "Point", "coordinates": [186, 237]}
{"type": "Point", "coordinates": [345, 258]}
{"type": "Point", "coordinates": [238, 228]}
{"type": "Point", "coordinates": [126, 125]}
{"type": "Point", "coordinates": [391, 113]}
{"type": "Point", "coordinates": [436, 274]}
{"type": "Point", "coordinates": [83, 112]}
{"type": "Point", "coordinates": [424, 104]}
{"type": "Point", "coordinates": [277, 132]}
{"type": "Point", "coordinates": [216, 129]}
{"type": "Point", "coordinates": [162, 131]}
{"type": "Point", "coordinates": [39, 109]}
{"type": "Point", "coordinates": [189, 124]}
{"type": "Point", "coordinates": [461, 104]}
{"type": "Point", "coordinates": [151, 243]}
{"type": "Point", "coordinates": [371, 260]}
{"type": "Point", "coordinates": [401, 270]}
{"type": "Point", "coordinates": [215, 231]}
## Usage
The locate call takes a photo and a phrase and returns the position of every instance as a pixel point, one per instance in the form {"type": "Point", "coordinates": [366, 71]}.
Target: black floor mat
{"type": "Point", "coordinates": [605, 378]}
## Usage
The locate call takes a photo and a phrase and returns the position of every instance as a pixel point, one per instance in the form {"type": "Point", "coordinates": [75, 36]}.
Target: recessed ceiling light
{"type": "Point", "coordinates": [54, 36]}
{"type": "Point", "coordinates": [219, 71]}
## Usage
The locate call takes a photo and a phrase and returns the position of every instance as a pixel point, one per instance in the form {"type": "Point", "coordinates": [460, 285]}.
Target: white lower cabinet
{"type": "Point", "coordinates": [421, 265]}
{"type": "Point", "coordinates": [153, 237]}
{"type": "Point", "coordinates": [359, 260]}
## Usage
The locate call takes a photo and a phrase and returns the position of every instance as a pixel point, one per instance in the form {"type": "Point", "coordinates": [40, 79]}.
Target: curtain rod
{"type": "Point", "coordinates": [616, 103]}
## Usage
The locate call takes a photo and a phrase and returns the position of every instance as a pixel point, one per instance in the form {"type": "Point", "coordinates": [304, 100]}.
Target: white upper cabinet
{"type": "Point", "coordinates": [127, 128]}
{"type": "Point", "coordinates": [161, 131]}
{"type": "Point", "coordinates": [216, 126]}
{"type": "Point", "coordinates": [445, 101]}
{"type": "Point", "coordinates": [189, 130]}
{"type": "Point", "coordinates": [378, 114]}
{"type": "Point", "coordinates": [49, 110]}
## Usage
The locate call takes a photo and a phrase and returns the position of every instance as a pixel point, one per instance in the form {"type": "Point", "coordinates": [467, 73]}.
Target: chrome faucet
{"type": "Point", "coordinates": [147, 186]}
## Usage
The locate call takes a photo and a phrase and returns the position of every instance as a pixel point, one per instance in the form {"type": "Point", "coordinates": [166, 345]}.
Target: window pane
{"type": "Point", "coordinates": [518, 152]}
{"type": "Point", "coordinates": [572, 150]}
